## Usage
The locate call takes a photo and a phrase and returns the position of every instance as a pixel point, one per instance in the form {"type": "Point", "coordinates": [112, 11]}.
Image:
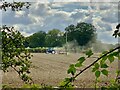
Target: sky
{"type": "Point", "coordinates": [64, 0]}
{"type": "Point", "coordinates": [58, 15]}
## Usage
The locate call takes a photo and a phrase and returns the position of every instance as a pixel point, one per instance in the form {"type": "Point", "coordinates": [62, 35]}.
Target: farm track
{"type": "Point", "coordinates": [51, 69]}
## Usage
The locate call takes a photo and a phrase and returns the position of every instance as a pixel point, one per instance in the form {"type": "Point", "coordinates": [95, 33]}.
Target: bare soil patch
{"type": "Point", "coordinates": [51, 69]}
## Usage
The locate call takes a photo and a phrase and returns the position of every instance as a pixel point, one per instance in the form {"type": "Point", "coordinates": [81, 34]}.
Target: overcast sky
{"type": "Point", "coordinates": [42, 16]}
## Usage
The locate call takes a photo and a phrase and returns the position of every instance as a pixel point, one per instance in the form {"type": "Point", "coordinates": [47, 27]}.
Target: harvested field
{"type": "Point", "coordinates": [51, 69]}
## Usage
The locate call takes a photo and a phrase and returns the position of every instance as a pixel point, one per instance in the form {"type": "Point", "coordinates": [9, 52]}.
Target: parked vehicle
{"type": "Point", "coordinates": [50, 50]}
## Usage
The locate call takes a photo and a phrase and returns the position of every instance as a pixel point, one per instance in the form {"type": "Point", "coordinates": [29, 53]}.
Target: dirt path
{"type": "Point", "coordinates": [51, 69]}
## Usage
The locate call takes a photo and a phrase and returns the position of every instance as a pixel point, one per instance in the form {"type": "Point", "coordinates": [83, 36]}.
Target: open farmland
{"type": "Point", "coordinates": [51, 69]}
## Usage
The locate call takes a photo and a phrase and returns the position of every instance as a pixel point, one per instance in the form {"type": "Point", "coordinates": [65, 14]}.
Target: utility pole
{"type": "Point", "coordinates": [66, 44]}
{"type": "Point", "coordinates": [119, 51]}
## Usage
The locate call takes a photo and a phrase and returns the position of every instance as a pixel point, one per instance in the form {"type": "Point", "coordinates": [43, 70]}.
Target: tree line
{"type": "Point", "coordinates": [82, 33]}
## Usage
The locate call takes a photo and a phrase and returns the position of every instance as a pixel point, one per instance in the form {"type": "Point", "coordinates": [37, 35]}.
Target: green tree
{"type": "Point", "coordinates": [54, 38]}
{"type": "Point", "coordinates": [83, 33]}
{"type": "Point", "coordinates": [37, 39]}
{"type": "Point", "coordinates": [26, 42]}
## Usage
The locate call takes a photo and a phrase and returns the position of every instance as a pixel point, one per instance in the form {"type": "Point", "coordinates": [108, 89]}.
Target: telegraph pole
{"type": "Point", "coordinates": [66, 44]}
{"type": "Point", "coordinates": [119, 50]}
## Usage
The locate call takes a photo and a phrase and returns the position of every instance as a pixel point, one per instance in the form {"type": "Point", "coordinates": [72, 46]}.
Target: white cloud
{"type": "Point", "coordinates": [110, 15]}
{"type": "Point", "coordinates": [104, 6]}
{"type": "Point", "coordinates": [59, 15]}
{"type": "Point", "coordinates": [78, 14]}
{"type": "Point", "coordinates": [71, 1]}
{"type": "Point", "coordinates": [19, 14]}
{"type": "Point", "coordinates": [40, 9]}
{"type": "Point", "coordinates": [107, 37]}
{"type": "Point", "coordinates": [11, 17]}
{"type": "Point", "coordinates": [103, 27]}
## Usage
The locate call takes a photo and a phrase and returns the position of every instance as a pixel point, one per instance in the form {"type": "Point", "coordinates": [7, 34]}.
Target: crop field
{"type": "Point", "coordinates": [51, 69]}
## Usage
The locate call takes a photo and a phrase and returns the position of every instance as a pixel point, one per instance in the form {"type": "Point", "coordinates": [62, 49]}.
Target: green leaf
{"type": "Point", "coordinates": [104, 58]}
{"type": "Point", "coordinates": [97, 73]}
{"type": "Point", "coordinates": [102, 62]}
{"type": "Point", "coordinates": [118, 57]}
{"type": "Point", "coordinates": [72, 65]}
{"type": "Point", "coordinates": [104, 88]}
{"type": "Point", "coordinates": [89, 53]}
{"type": "Point", "coordinates": [104, 72]}
{"type": "Point", "coordinates": [94, 69]}
{"type": "Point", "coordinates": [67, 79]}
{"type": "Point", "coordinates": [78, 64]}
{"type": "Point", "coordinates": [63, 83]}
{"type": "Point", "coordinates": [18, 63]}
{"type": "Point", "coordinates": [96, 65]}
{"type": "Point", "coordinates": [111, 58]}
{"type": "Point", "coordinates": [104, 52]}
{"type": "Point", "coordinates": [104, 65]}
{"type": "Point", "coordinates": [118, 72]}
{"type": "Point", "coordinates": [24, 68]}
{"type": "Point", "coordinates": [81, 60]}
{"type": "Point", "coordinates": [71, 69]}
{"type": "Point", "coordinates": [116, 54]}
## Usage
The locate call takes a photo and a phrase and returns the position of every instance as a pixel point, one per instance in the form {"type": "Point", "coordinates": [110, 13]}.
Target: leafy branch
{"type": "Point", "coordinates": [70, 80]}
{"type": "Point", "coordinates": [15, 6]}
{"type": "Point", "coordinates": [14, 54]}
{"type": "Point", "coordinates": [97, 61]}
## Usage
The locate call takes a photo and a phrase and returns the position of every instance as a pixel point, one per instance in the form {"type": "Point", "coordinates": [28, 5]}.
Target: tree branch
{"type": "Point", "coordinates": [32, 82]}
{"type": "Point", "coordinates": [96, 61]}
{"type": "Point", "coordinates": [16, 70]}
{"type": "Point", "coordinates": [81, 71]}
